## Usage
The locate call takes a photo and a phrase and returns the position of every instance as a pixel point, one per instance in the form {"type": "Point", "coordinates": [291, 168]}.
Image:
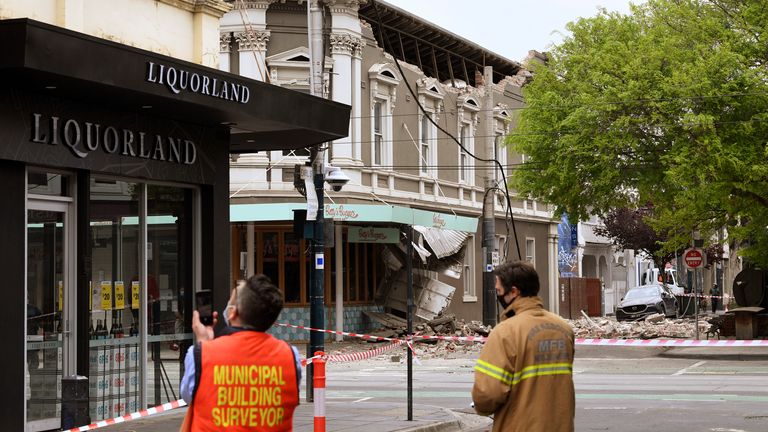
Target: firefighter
{"type": "Point", "coordinates": [524, 375]}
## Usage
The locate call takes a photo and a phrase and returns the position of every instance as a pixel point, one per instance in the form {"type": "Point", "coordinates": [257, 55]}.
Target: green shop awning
{"type": "Point", "coordinates": [355, 213]}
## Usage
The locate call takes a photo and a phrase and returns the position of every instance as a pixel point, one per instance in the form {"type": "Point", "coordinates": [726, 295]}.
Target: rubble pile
{"type": "Point", "coordinates": [652, 327]}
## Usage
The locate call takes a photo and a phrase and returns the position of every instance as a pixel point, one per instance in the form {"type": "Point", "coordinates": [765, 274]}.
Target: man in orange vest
{"type": "Point", "coordinates": [245, 379]}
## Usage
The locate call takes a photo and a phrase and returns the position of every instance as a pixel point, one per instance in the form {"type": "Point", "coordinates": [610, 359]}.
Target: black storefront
{"type": "Point", "coordinates": [114, 169]}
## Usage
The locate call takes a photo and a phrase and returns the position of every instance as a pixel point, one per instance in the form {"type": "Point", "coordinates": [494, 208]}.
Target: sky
{"type": "Point", "coordinates": [508, 27]}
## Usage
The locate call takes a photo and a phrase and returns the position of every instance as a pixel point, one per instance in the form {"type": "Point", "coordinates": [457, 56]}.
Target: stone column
{"type": "Point", "coordinates": [252, 46]}
{"type": "Point", "coordinates": [554, 272]}
{"type": "Point", "coordinates": [357, 106]}
{"type": "Point", "coordinates": [206, 29]}
{"type": "Point", "coordinates": [346, 51]}
{"type": "Point", "coordinates": [224, 41]}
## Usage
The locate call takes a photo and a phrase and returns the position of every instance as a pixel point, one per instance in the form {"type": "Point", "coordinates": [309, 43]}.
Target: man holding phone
{"type": "Point", "coordinates": [245, 379]}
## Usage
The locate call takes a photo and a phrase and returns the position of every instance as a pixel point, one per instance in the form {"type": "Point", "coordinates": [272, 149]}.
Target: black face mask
{"type": "Point", "coordinates": [504, 303]}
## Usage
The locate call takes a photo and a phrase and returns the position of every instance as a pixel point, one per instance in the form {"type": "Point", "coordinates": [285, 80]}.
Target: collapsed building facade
{"type": "Point", "coordinates": [405, 171]}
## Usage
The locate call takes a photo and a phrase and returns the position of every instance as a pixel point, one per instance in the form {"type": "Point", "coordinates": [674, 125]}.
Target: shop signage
{"type": "Point", "coordinates": [179, 80]}
{"type": "Point", "coordinates": [373, 235]}
{"type": "Point", "coordinates": [83, 137]}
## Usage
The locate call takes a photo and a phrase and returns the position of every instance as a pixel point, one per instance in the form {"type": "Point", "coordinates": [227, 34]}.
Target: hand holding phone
{"type": "Point", "coordinates": [204, 301]}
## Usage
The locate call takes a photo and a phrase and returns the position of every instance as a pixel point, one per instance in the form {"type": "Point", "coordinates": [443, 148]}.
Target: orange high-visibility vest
{"type": "Point", "coordinates": [247, 383]}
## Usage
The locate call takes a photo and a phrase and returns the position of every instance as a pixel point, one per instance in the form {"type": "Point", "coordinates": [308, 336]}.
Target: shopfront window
{"type": "Point", "coordinates": [116, 290]}
{"type": "Point", "coordinates": [169, 291]}
{"type": "Point", "coordinates": [114, 319]}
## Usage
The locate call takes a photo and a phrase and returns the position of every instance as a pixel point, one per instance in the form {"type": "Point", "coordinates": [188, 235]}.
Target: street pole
{"type": "Point", "coordinates": [317, 277]}
{"type": "Point", "coordinates": [696, 284]}
{"type": "Point", "coordinates": [489, 213]}
{"type": "Point", "coordinates": [409, 317]}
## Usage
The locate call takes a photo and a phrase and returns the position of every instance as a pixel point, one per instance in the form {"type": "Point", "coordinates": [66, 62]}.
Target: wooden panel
{"type": "Point", "coordinates": [594, 297]}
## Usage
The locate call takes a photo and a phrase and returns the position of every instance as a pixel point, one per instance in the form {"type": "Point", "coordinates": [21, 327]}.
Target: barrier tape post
{"type": "Point", "coordinates": [319, 391]}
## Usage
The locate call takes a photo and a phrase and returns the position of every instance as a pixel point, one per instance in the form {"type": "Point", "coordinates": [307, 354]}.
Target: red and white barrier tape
{"type": "Point", "coordinates": [357, 335]}
{"type": "Point", "coordinates": [671, 342]}
{"type": "Point", "coordinates": [703, 296]}
{"type": "Point", "coordinates": [133, 416]}
{"type": "Point", "coordinates": [380, 338]}
{"type": "Point", "coordinates": [578, 341]}
{"type": "Point", "coordinates": [337, 358]}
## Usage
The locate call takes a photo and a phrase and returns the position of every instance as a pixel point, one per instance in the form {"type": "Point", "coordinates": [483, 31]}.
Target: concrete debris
{"type": "Point", "coordinates": [653, 327]}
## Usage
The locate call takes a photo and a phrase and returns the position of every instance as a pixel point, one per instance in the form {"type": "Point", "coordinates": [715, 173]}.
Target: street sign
{"type": "Point", "coordinates": [693, 258]}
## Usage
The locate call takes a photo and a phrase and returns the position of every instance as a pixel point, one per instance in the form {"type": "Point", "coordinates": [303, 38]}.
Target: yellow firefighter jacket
{"type": "Point", "coordinates": [524, 375]}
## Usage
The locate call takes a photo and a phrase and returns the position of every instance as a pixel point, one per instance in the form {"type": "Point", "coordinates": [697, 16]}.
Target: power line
{"type": "Point", "coordinates": [431, 120]}
{"type": "Point", "coordinates": [583, 105]}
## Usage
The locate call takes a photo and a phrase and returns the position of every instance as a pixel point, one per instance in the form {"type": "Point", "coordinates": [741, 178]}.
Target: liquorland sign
{"type": "Point", "coordinates": [178, 80]}
{"type": "Point", "coordinates": [83, 137]}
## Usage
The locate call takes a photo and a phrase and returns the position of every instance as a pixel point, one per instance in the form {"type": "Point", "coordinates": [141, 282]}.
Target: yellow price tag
{"type": "Point", "coordinates": [106, 295]}
{"type": "Point", "coordinates": [119, 295]}
{"type": "Point", "coordinates": [61, 295]}
{"type": "Point", "coordinates": [135, 295]}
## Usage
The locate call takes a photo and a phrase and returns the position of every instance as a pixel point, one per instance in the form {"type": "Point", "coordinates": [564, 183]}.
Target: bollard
{"type": "Point", "coordinates": [319, 391]}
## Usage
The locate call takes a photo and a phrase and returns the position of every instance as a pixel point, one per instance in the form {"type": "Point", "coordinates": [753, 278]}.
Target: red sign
{"type": "Point", "coordinates": [693, 258]}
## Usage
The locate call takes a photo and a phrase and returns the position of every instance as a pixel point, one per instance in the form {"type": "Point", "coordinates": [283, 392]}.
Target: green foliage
{"type": "Point", "coordinates": [667, 105]}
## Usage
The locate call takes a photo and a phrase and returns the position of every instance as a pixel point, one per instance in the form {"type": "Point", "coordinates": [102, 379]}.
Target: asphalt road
{"type": "Point", "coordinates": [617, 389]}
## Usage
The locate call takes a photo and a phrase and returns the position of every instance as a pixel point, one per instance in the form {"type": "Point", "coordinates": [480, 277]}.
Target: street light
{"type": "Point", "coordinates": [311, 185]}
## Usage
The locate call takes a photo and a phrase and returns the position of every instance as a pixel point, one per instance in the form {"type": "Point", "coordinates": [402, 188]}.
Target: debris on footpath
{"type": "Point", "coordinates": [652, 327]}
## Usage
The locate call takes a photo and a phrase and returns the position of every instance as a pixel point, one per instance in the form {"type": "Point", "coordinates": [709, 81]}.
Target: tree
{"type": "Point", "coordinates": [669, 105]}
{"type": "Point", "coordinates": [627, 229]}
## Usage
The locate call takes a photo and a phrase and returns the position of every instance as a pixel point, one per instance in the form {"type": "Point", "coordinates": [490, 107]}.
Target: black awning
{"type": "Point", "coordinates": [68, 64]}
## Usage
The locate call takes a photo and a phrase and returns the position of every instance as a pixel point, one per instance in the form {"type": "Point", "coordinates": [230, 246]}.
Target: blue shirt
{"type": "Point", "coordinates": [187, 386]}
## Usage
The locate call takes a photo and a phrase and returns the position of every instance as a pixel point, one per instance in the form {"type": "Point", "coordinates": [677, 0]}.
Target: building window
{"type": "Point", "coordinates": [426, 144]}
{"type": "Point", "coordinates": [530, 250]}
{"type": "Point", "coordinates": [501, 156]}
{"type": "Point", "coordinates": [383, 81]}
{"type": "Point", "coordinates": [378, 134]}
{"type": "Point", "coordinates": [468, 271]}
{"type": "Point", "coordinates": [465, 161]}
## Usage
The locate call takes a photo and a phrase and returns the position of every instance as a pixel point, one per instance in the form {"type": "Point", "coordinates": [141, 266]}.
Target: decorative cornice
{"type": "Point", "coordinates": [345, 43]}
{"type": "Point", "coordinates": [347, 7]}
{"type": "Point", "coordinates": [215, 8]}
{"type": "Point", "coordinates": [224, 42]}
{"type": "Point", "coordinates": [250, 42]}
{"type": "Point", "coordinates": [253, 4]}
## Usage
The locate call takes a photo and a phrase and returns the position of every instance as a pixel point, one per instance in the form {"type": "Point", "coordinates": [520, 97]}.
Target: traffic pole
{"type": "Point", "coordinates": [319, 391]}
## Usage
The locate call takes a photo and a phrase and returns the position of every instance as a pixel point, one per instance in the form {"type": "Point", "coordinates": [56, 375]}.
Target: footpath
{"type": "Point", "coordinates": [370, 416]}
{"type": "Point", "coordinates": [340, 416]}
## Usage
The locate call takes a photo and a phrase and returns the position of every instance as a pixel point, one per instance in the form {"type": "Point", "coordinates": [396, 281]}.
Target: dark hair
{"type": "Point", "coordinates": [259, 302]}
{"type": "Point", "coordinates": [520, 274]}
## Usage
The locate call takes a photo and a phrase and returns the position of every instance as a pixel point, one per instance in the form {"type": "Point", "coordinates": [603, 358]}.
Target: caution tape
{"type": "Point", "coordinates": [363, 354]}
{"type": "Point", "coordinates": [578, 341]}
{"type": "Point", "coordinates": [702, 296]}
{"type": "Point", "coordinates": [672, 342]}
{"type": "Point", "coordinates": [357, 335]}
{"type": "Point", "coordinates": [133, 416]}
{"type": "Point", "coordinates": [381, 338]}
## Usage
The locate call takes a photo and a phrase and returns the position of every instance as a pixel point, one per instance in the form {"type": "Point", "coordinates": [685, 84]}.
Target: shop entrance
{"type": "Point", "coordinates": [50, 340]}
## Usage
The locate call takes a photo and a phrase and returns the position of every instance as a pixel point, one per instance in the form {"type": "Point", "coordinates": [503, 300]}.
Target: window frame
{"type": "Point", "coordinates": [468, 272]}
{"type": "Point", "coordinates": [530, 252]}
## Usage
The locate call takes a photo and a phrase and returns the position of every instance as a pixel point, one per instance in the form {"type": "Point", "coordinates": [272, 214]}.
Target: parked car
{"type": "Point", "coordinates": [644, 300]}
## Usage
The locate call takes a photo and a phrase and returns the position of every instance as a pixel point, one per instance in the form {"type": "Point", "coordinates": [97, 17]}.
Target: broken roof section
{"type": "Point", "coordinates": [430, 47]}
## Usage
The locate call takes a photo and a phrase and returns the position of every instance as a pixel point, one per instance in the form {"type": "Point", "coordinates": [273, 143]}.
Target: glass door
{"type": "Point", "coordinates": [50, 309]}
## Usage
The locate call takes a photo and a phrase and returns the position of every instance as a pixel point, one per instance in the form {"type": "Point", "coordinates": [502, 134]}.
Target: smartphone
{"type": "Point", "coordinates": [205, 306]}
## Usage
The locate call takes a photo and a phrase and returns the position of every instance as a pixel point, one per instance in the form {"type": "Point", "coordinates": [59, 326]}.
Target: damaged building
{"type": "Point", "coordinates": [405, 172]}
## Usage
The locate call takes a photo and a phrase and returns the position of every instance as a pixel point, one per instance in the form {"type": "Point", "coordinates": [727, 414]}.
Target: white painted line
{"type": "Point", "coordinates": [605, 408]}
{"type": "Point", "coordinates": [362, 400]}
{"type": "Point", "coordinates": [684, 370]}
